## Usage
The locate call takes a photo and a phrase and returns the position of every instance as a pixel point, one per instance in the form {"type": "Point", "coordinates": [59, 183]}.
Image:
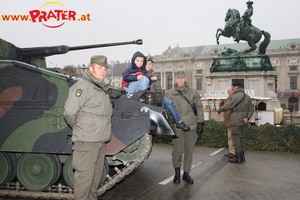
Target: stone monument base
{"type": "Point", "coordinates": [254, 71]}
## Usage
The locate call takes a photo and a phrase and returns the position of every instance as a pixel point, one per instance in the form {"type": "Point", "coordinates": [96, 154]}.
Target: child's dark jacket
{"type": "Point", "coordinates": [130, 74]}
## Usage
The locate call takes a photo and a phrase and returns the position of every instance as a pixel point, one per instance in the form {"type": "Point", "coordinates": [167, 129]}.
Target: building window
{"type": "Point", "coordinates": [293, 82]}
{"type": "Point", "coordinates": [262, 106]}
{"type": "Point", "coordinates": [293, 104]}
{"type": "Point", "coordinates": [199, 84]}
{"type": "Point", "coordinates": [158, 76]}
{"type": "Point", "coordinates": [170, 82]}
{"type": "Point", "coordinates": [238, 80]}
{"type": "Point", "coordinates": [199, 71]}
{"type": "Point", "coordinates": [293, 46]}
{"type": "Point", "coordinates": [274, 68]}
{"type": "Point", "coordinates": [293, 68]}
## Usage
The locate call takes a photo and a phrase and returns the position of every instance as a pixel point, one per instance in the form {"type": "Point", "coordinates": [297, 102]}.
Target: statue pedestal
{"type": "Point", "coordinates": [254, 71]}
{"type": "Point", "coordinates": [233, 61]}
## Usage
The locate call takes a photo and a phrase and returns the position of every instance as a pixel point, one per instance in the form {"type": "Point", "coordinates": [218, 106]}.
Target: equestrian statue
{"type": "Point", "coordinates": [241, 28]}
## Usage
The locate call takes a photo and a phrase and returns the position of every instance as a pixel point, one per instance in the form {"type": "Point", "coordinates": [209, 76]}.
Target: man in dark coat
{"type": "Point", "coordinates": [242, 109]}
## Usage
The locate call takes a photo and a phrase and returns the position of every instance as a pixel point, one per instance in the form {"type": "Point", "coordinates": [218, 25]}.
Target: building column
{"type": "Point", "coordinates": [164, 80]}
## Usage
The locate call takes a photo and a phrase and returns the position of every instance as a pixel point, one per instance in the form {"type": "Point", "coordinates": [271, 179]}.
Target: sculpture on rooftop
{"type": "Point", "coordinates": [241, 28]}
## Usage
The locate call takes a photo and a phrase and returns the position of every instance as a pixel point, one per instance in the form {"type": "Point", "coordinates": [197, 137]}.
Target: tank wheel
{"type": "Point", "coordinates": [68, 172]}
{"type": "Point", "coordinates": [37, 172]}
{"type": "Point", "coordinates": [8, 167]}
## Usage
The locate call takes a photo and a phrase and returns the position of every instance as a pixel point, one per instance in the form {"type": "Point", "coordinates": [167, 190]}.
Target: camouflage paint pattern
{"type": "Point", "coordinates": [31, 113]}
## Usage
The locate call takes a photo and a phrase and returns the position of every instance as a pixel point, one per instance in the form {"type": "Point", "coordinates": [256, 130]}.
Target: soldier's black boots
{"type": "Point", "coordinates": [182, 126]}
{"type": "Point", "coordinates": [236, 159]}
{"type": "Point", "coordinates": [243, 156]}
{"type": "Point", "coordinates": [187, 178]}
{"type": "Point", "coordinates": [177, 175]}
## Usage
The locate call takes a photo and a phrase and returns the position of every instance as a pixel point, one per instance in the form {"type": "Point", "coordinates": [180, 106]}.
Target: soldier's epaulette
{"type": "Point", "coordinates": [96, 88]}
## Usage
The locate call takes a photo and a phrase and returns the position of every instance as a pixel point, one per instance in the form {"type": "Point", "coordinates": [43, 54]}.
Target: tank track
{"type": "Point", "coordinates": [60, 191]}
{"type": "Point", "coordinates": [128, 168]}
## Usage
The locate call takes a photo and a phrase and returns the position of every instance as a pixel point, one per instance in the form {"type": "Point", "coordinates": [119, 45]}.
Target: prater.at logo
{"type": "Point", "coordinates": [54, 15]}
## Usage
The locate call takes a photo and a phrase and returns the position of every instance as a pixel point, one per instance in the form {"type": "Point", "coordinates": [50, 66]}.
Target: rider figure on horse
{"type": "Point", "coordinates": [241, 28]}
{"type": "Point", "coordinates": [245, 22]}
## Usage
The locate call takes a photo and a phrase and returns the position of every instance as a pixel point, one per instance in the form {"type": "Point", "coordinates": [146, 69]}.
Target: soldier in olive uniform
{"type": "Point", "coordinates": [242, 109]}
{"type": "Point", "coordinates": [185, 141]}
{"type": "Point", "coordinates": [88, 111]}
{"type": "Point", "coordinates": [150, 73]}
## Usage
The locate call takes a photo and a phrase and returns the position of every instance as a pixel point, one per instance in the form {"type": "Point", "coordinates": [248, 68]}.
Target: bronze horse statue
{"type": "Point", "coordinates": [251, 34]}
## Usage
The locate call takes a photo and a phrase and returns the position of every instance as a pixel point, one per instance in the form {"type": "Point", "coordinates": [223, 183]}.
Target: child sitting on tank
{"type": "Point", "coordinates": [135, 79]}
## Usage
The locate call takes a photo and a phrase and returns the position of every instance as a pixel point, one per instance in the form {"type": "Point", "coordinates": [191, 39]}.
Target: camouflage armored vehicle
{"type": "Point", "coordinates": [35, 141]}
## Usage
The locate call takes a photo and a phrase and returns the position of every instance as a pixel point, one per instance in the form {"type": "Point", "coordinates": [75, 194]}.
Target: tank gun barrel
{"type": "Point", "coordinates": [138, 42]}
{"type": "Point", "coordinates": [39, 52]}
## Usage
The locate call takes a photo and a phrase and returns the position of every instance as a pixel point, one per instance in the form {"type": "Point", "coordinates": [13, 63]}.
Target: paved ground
{"type": "Point", "coordinates": [265, 175]}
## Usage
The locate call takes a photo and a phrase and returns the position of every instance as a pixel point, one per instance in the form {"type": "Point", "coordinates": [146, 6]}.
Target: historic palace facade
{"type": "Point", "coordinates": [268, 89]}
{"type": "Point", "coordinates": [197, 60]}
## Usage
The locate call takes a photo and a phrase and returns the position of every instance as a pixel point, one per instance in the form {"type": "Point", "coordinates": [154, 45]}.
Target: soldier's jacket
{"type": "Point", "coordinates": [156, 84]}
{"type": "Point", "coordinates": [88, 111]}
{"type": "Point", "coordinates": [184, 108]}
{"type": "Point", "coordinates": [243, 110]}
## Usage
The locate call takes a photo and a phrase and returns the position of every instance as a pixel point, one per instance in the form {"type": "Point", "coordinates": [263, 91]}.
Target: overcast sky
{"type": "Point", "coordinates": [160, 23]}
